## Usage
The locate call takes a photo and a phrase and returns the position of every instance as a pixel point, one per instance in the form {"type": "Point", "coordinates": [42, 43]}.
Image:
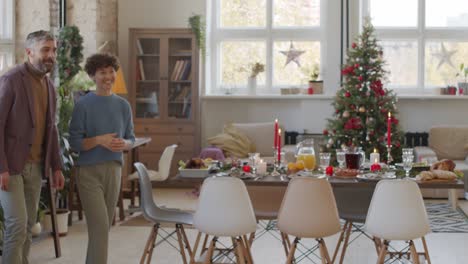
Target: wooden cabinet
{"type": "Point", "coordinates": [163, 70]}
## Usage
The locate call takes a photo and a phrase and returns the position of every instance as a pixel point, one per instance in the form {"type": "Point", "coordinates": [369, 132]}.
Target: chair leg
{"type": "Point", "coordinates": [426, 251]}
{"type": "Point", "coordinates": [340, 240]}
{"type": "Point", "coordinates": [378, 244]}
{"type": "Point", "coordinates": [346, 241]}
{"type": "Point", "coordinates": [195, 248]}
{"type": "Point", "coordinates": [383, 252]}
{"type": "Point", "coordinates": [150, 244]}
{"type": "Point", "coordinates": [251, 238]}
{"type": "Point", "coordinates": [209, 254]}
{"type": "Point", "coordinates": [248, 246]}
{"type": "Point", "coordinates": [290, 258]}
{"type": "Point", "coordinates": [240, 250]}
{"type": "Point", "coordinates": [324, 251]}
{"type": "Point", "coordinates": [205, 241]}
{"type": "Point", "coordinates": [414, 253]}
{"type": "Point", "coordinates": [286, 243]}
{"type": "Point", "coordinates": [187, 244]}
{"type": "Point", "coordinates": [181, 243]}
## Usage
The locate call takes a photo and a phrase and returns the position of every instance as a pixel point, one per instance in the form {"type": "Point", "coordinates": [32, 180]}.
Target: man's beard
{"type": "Point", "coordinates": [45, 66]}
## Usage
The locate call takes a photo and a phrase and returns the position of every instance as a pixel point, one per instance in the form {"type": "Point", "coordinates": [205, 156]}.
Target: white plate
{"type": "Point", "coordinates": [376, 177]}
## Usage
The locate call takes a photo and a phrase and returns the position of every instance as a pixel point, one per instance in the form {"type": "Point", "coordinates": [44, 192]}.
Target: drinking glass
{"type": "Point", "coordinates": [324, 161]}
{"type": "Point", "coordinates": [254, 158]}
{"type": "Point", "coordinates": [407, 151]}
{"type": "Point", "coordinates": [407, 164]}
{"type": "Point", "coordinates": [340, 157]}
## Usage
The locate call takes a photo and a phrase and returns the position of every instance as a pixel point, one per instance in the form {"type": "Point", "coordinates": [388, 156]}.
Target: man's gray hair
{"type": "Point", "coordinates": [37, 36]}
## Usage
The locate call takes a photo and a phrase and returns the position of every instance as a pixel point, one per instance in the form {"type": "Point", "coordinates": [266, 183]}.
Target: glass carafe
{"type": "Point", "coordinates": [305, 152]}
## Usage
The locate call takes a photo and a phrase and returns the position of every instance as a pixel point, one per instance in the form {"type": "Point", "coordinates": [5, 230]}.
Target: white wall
{"type": "Point", "coordinates": [294, 114]}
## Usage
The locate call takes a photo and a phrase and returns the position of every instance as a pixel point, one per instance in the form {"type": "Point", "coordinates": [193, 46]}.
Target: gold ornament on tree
{"type": "Point", "coordinates": [362, 109]}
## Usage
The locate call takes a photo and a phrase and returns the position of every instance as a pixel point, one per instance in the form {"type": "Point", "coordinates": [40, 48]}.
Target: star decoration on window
{"type": "Point", "coordinates": [444, 56]}
{"type": "Point", "coordinates": [292, 55]}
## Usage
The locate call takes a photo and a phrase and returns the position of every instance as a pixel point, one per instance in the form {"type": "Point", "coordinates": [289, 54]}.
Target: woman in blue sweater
{"type": "Point", "coordinates": [100, 130]}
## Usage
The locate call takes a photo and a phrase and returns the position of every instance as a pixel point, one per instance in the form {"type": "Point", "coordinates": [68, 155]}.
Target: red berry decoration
{"type": "Point", "coordinates": [347, 94]}
{"type": "Point", "coordinates": [329, 171]}
{"type": "Point", "coordinates": [375, 167]}
{"type": "Point", "coordinates": [354, 45]}
{"type": "Point", "coordinates": [246, 168]}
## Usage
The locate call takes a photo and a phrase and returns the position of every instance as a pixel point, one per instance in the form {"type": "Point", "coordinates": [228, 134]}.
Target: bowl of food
{"type": "Point", "coordinates": [193, 168]}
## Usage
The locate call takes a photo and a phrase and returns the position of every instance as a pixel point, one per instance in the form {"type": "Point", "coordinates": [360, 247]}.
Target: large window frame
{"type": "Point", "coordinates": [421, 34]}
{"type": "Point", "coordinates": [7, 34]}
{"type": "Point", "coordinates": [216, 35]}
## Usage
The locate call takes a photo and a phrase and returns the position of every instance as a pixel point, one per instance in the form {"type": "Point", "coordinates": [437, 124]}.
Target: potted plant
{"type": "Point", "coordinates": [255, 70]}
{"type": "Point", "coordinates": [315, 85]}
{"type": "Point", "coordinates": [463, 86]}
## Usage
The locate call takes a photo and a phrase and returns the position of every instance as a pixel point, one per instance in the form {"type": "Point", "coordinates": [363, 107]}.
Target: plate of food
{"type": "Point", "coordinates": [376, 176]}
{"type": "Point", "coordinates": [194, 168]}
{"type": "Point", "coordinates": [345, 173]}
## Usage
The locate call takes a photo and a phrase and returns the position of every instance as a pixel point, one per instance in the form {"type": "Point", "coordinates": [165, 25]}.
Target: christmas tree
{"type": "Point", "coordinates": [362, 105]}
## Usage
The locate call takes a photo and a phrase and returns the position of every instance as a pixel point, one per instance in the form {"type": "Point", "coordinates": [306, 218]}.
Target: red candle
{"type": "Point", "coordinates": [279, 145]}
{"type": "Point", "coordinates": [389, 129]}
{"type": "Point", "coordinates": [276, 133]}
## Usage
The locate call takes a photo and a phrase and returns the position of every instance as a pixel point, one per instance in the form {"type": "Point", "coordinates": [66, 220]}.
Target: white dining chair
{"type": "Point", "coordinates": [397, 212]}
{"type": "Point", "coordinates": [308, 210]}
{"type": "Point", "coordinates": [164, 166]}
{"type": "Point", "coordinates": [224, 210]}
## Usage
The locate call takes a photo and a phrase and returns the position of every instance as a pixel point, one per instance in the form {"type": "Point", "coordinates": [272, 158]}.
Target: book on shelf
{"type": "Point", "coordinates": [187, 104]}
{"type": "Point", "coordinates": [180, 69]}
{"type": "Point", "coordinates": [186, 70]}
{"type": "Point", "coordinates": [142, 69]}
{"type": "Point", "coordinates": [139, 47]}
{"type": "Point", "coordinates": [175, 69]}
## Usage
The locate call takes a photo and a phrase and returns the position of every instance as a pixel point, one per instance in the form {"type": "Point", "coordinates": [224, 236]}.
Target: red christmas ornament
{"type": "Point", "coordinates": [354, 45]}
{"type": "Point", "coordinates": [375, 167]}
{"type": "Point", "coordinates": [347, 94]}
{"type": "Point", "coordinates": [246, 168]}
{"type": "Point", "coordinates": [329, 171]}
{"type": "Point", "coordinates": [360, 78]}
{"type": "Point", "coordinates": [356, 65]}
{"type": "Point", "coordinates": [325, 132]}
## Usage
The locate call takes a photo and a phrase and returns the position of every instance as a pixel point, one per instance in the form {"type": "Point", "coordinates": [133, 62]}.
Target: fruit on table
{"type": "Point", "coordinates": [193, 163]}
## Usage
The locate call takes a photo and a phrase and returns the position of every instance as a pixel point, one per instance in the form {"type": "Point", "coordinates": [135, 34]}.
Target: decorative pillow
{"type": "Point", "coordinates": [260, 134]}
{"type": "Point", "coordinates": [232, 142]}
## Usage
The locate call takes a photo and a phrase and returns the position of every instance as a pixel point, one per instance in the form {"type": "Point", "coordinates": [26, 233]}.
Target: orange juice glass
{"type": "Point", "coordinates": [308, 160]}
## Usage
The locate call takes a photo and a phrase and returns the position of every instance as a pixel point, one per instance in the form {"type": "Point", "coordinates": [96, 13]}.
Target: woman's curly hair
{"type": "Point", "coordinates": [101, 60]}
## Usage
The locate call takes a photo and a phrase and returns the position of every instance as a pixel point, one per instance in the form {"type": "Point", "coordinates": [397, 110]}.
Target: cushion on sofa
{"type": "Point", "coordinates": [449, 142]}
{"type": "Point", "coordinates": [260, 134]}
{"type": "Point", "coordinates": [233, 142]}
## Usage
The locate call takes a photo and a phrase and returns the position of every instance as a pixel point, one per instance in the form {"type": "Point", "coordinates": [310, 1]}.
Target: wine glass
{"type": "Point", "coordinates": [324, 161]}
{"type": "Point", "coordinates": [340, 157]}
{"type": "Point", "coordinates": [407, 164]}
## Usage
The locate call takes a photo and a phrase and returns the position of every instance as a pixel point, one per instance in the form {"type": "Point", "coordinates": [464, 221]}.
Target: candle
{"type": "Point", "coordinates": [389, 129]}
{"type": "Point", "coordinates": [276, 133]}
{"type": "Point", "coordinates": [279, 145]}
{"type": "Point", "coordinates": [375, 157]}
{"type": "Point", "coordinates": [261, 167]}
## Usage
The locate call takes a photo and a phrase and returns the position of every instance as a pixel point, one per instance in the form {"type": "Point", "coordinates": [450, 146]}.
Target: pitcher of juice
{"type": "Point", "coordinates": [305, 152]}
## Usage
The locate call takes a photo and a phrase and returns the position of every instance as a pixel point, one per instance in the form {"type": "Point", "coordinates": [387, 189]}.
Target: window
{"type": "Point", "coordinates": [6, 34]}
{"type": "Point", "coordinates": [424, 41]}
{"type": "Point", "coordinates": [245, 32]}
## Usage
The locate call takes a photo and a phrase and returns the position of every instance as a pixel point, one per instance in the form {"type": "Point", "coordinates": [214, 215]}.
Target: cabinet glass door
{"type": "Point", "coordinates": [180, 79]}
{"type": "Point", "coordinates": [147, 101]}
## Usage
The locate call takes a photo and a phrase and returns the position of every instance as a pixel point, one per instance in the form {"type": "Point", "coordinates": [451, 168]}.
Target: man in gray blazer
{"type": "Point", "coordinates": [29, 147]}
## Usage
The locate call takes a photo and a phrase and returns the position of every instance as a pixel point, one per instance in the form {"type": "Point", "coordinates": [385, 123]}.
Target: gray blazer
{"type": "Point", "coordinates": [17, 123]}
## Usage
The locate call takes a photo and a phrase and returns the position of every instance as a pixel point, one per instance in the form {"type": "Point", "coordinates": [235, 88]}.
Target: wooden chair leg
{"type": "Point", "coordinates": [150, 244]}
{"type": "Point", "coordinates": [286, 243]}
{"type": "Point", "coordinates": [426, 251]}
{"type": "Point", "coordinates": [209, 254]}
{"type": "Point", "coordinates": [251, 238]}
{"type": "Point", "coordinates": [195, 248]}
{"type": "Point", "coordinates": [290, 258]}
{"type": "Point", "coordinates": [187, 244]}
{"type": "Point", "coordinates": [181, 244]}
{"type": "Point", "coordinates": [377, 244]}
{"type": "Point", "coordinates": [383, 252]}
{"type": "Point", "coordinates": [247, 252]}
{"type": "Point", "coordinates": [240, 250]}
{"type": "Point", "coordinates": [346, 242]}
{"type": "Point", "coordinates": [324, 251]}
{"type": "Point", "coordinates": [204, 248]}
{"type": "Point", "coordinates": [414, 253]}
{"type": "Point", "coordinates": [340, 240]}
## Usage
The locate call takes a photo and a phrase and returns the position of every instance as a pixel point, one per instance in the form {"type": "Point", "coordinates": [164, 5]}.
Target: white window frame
{"type": "Point", "coordinates": [7, 44]}
{"type": "Point", "coordinates": [216, 35]}
{"type": "Point", "coordinates": [420, 34]}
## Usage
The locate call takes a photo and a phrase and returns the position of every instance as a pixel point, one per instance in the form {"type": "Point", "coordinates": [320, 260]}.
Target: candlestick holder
{"type": "Point", "coordinates": [389, 154]}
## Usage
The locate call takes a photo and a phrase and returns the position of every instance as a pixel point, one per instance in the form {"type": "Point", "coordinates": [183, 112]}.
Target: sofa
{"type": "Point", "coordinates": [447, 142]}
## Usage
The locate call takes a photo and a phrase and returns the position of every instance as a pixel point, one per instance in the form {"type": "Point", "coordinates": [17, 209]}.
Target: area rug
{"type": "Point", "coordinates": [442, 218]}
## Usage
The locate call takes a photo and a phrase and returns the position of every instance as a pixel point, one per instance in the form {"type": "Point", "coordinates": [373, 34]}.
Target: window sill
{"type": "Point", "coordinates": [325, 97]}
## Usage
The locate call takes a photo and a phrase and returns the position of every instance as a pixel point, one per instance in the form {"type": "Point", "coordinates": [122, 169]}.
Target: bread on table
{"type": "Point", "coordinates": [436, 175]}
{"type": "Point", "coordinates": [445, 164]}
